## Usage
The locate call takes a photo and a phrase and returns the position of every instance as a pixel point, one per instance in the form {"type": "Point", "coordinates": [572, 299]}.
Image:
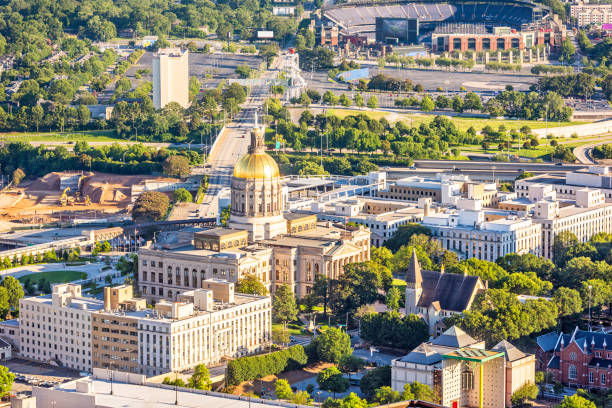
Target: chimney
{"type": "Point", "coordinates": [107, 305]}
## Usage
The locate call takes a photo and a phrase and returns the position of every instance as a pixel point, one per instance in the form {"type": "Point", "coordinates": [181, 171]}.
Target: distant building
{"type": "Point", "coordinates": [436, 295]}
{"type": "Point", "coordinates": [581, 359]}
{"type": "Point", "coordinates": [170, 77]}
{"type": "Point", "coordinates": [586, 14]}
{"type": "Point", "coordinates": [462, 372]}
{"type": "Point", "coordinates": [473, 232]}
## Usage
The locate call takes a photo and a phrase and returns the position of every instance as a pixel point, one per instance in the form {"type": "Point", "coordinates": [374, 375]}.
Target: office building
{"type": "Point", "coordinates": [474, 233]}
{"type": "Point", "coordinates": [581, 359]}
{"type": "Point", "coordinates": [585, 217]}
{"type": "Point", "coordinates": [170, 77]}
{"type": "Point", "coordinates": [520, 368]}
{"type": "Point", "coordinates": [381, 216]}
{"type": "Point", "coordinates": [203, 326]}
{"type": "Point", "coordinates": [56, 328]}
{"type": "Point", "coordinates": [565, 187]}
{"type": "Point", "coordinates": [445, 189]}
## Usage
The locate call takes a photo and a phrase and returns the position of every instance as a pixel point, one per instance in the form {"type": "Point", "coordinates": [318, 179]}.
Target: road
{"type": "Point", "coordinates": [233, 142]}
{"type": "Point", "coordinates": [583, 153]}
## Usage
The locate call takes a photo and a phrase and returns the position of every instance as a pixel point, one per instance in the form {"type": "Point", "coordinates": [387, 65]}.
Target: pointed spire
{"type": "Point", "coordinates": [413, 275]}
{"type": "Point", "coordinates": [442, 268]}
{"type": "Point", "coordinates": [584, 346]}
{"type": "Point", "coordinates": [465, 272]}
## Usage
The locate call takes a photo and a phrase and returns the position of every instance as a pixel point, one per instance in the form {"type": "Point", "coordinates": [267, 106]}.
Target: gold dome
{"type": "Point", "coordinates": [256, 166]}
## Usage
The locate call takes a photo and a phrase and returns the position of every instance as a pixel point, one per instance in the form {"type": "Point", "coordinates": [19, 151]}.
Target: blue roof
{"type": "Point", "coordinates": [547, 341]}
{"type": "Point", "coordinates": [554, 363]}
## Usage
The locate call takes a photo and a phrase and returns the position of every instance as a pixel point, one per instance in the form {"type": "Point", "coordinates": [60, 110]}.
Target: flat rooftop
{"type": "Point", "coordinates": [80, 303]}
{"type": "Point", "coordinates": [143, 396]}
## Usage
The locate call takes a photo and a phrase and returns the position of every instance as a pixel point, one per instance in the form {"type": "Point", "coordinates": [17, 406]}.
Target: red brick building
{"type": "Point", "coordinates": [581, 359]}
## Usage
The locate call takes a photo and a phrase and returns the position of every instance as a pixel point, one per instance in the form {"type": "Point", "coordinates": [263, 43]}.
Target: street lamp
{"type": "Point", "coordinates": [111, 377]}
{"type": "Point", "coordinates": [175, 388]}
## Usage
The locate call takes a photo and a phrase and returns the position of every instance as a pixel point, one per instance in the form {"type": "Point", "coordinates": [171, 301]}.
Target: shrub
{"type": "Point", "coordinates": [250, 368]}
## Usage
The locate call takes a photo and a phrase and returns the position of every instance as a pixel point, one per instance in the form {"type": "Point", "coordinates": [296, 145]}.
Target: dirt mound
{"type": "Point", "coordinates": [48, 182]}
{"type": "Point", "coordinates": [111, 188]}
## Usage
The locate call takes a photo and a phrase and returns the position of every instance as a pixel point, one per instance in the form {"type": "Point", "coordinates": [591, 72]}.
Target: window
{"type": "Point", "coordinates": [591, 376]}
{"type": "Point", "coordinates": [572, 356]}
{"type": "Point", "coordinates": [573, 373]}
{"type": "Point", "coordinates": [603, 379]}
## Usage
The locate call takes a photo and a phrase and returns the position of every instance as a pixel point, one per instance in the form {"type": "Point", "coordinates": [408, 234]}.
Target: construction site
{"type": "Point", "coordinates": [75, 197]}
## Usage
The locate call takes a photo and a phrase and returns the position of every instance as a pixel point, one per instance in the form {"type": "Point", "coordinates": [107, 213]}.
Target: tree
{"type": "Point", "coordinates": [333, 345]}
{"type": "Point", "coordinates": [403, 234]}
{"type": "Point", "coordinates": [472, 102]}
{"type": "Point", "coordinates": [331, 379]}
{"type": "Point", "coordinates": [353, 401]}
{"type": "Point", "coordinates": [181, 195]}
{"type": "Point", "coordinates": [392, 299]}
{"type": "Point", "coordinates": [280, 336]}
{"type": "Point", "coordinates": [200, 378]}
{"type": "Point", "coordinates": [386, 395]}
{"type": "Point", "coordinates": [576, 401]}
{"type": "Point", "coordinates": [427, 104]}
{"type": "Point", "coordinates": [528, 391]}
{"type": "Point", "coordinates": [302, 398]}
{"type": "Point", "coordinates": [150, 206]}
{"type": "Point", "coordinates": [418, 391]}
{"type": "Point", "coordinates": [244, 71]}
{"type": "Point", "coordinates": [372, 102]}
{"type": "Point", "coordinates": [568, 301]}
{"type": "Point", "coordinates": [567, 50]}
{"type": "Point", "coordinates": [176, 166]}
{"type": "Point", "coordinates": [252, 285]}
{"type": "Point", "coordinates": [18, 176]}
{"type": "Point", "coordinates": [283, 390]}
{"type": "Point", "coordinates": [351, 364]}
{"type": "Point", "coordinates": [284, 307]}
{"type": "Point", "coordinates": [345, 100]}
{"type": "Point", "coordinates": [6, 380]}
{"type": "Point", "coordinates": [374, 379]}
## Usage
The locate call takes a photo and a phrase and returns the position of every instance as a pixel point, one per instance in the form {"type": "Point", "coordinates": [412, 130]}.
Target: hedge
{"type": "Point", "coordinates": [250, 368]}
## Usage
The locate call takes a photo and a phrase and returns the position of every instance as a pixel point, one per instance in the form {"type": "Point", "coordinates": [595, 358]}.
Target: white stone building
{"type": "Point", "coordinates": [56, 328]}
{"type": "Point", "coordinates": [467, 231]}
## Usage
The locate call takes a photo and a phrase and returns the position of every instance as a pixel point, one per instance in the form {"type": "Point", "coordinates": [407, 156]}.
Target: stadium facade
{"type": "Point", "coordinates": [447, 26]}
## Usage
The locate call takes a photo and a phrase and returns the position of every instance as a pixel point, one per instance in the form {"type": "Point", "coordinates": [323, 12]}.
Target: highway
{"type": "Point", "coordinates": [478, 170]}
{"type": "Point", "coordinates": [232, 143]}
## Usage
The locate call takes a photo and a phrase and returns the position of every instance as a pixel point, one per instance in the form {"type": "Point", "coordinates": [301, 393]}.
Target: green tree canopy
{"type": "Point", "coordinates": [333, 345]}
{"type": "Point", "coordinates": [200, 378]}
{"type": "Point", "coordinates": [252, 285]}
{"type": "Point", "coordinates": [150, 206]}
{"type": "Point", "coordinates": [284, 306]}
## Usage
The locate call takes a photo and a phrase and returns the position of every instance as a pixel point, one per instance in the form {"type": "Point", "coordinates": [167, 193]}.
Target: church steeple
{"type": "Point", "coordinates": [414, 279]}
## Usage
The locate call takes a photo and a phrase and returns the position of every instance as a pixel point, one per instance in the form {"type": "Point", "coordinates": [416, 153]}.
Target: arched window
{"type": "Point", "coordinates": [573, 373]}
{"type": "Point", "coordinates": [572, 356]}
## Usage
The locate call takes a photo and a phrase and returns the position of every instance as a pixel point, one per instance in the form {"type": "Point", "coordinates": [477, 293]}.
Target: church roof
{"type": "Point", "coordinates": [413, 274]}
{"type": "Point", "coordinates": [454, 337]}
{"type": "Point", "coordinates": [512, 353]}
{"type": "Point", "coordinates": [452, 291]}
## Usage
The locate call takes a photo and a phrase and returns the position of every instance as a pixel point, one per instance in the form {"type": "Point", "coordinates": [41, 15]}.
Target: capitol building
{"type": "Point", "coordinates": [261, 239]}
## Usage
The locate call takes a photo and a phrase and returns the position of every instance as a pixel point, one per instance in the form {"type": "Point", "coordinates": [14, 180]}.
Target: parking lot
{"type": "Point", "coordinates": [28, 373]}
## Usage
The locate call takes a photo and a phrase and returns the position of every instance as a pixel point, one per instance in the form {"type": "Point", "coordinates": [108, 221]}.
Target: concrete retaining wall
{"type": "Point", "coordinates": [589, 129]}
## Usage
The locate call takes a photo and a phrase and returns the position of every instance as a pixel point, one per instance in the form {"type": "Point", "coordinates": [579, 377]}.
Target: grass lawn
{"type": "Point", "coordinates": [91, 136]}
{"type": "Point", "coordinates": [461, 122]}
{"type": "Point", "coordinates": [54, 276]}
{"type": "Point", "coordinates": [292, 328]}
